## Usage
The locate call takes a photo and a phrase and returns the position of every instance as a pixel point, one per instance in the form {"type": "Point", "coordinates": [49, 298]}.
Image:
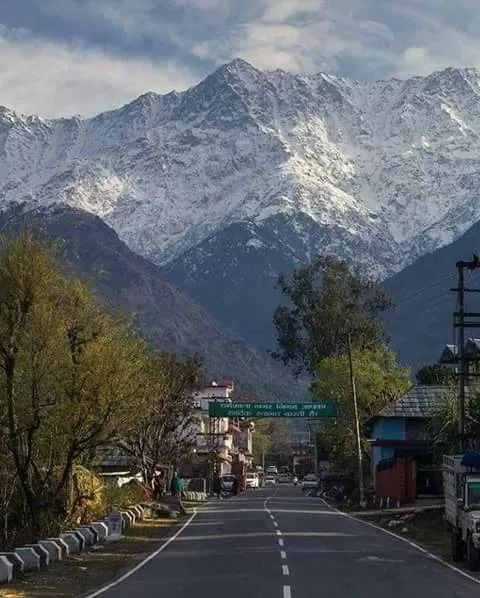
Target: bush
{"type": "Point", "coordinates": [131, 493]}
{"type": "Point", "coordinates": [89, 496]}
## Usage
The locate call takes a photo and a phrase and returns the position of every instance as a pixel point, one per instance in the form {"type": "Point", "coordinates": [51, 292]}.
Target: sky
{"type": "Point", "coordinates": [67, 57]}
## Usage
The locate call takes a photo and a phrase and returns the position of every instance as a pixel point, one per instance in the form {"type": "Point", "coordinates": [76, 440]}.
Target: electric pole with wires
{"type": "Point", "coordinates": [463, 320]}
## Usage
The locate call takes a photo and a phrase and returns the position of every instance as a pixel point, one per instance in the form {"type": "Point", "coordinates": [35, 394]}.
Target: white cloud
{"type": "Point", "coordinates": [359, 38]}
{"type": "Point", "coordinates": [376, 38]}
{"type": "Point", "coordinates": [38, 76]}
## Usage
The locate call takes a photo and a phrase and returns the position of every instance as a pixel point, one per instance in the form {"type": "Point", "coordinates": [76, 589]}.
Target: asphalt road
{"type": "Point", "coordinates": [277, 543]}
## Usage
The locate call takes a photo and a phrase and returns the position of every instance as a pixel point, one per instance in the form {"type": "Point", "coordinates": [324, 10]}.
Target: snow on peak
{"type": "Point", "coordinates": [392, 162]}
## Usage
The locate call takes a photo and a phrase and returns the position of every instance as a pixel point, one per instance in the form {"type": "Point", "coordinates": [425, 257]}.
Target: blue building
{"type": "Point", "coordinates": [401, 430]}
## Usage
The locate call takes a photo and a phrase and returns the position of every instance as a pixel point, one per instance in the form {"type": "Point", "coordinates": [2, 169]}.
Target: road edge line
{"type": "Point", "coordinates": [146, 560]}
{"type": "Point", "coordinates": [418, 547]}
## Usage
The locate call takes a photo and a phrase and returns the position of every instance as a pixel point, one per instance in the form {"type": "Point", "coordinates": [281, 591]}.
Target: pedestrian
{"type": "Point", "coordinates": [176, 488]}
{"type": "Point", "coordinates": [159, 486]}
{"type": "Point", "coordinates": [217, 486]}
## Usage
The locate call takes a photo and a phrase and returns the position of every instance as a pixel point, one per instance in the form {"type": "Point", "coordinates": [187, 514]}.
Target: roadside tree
{"type": "Point", "coordinates": [328, 300]}
{"type": "Point", "coordinates": [68, 376]}
{"type": "Point", "coordinates": [435, 375]}
{"type": "Point", "coordinates": [379, 382]}
{"type": "Point", "coordinates": [162, 432]}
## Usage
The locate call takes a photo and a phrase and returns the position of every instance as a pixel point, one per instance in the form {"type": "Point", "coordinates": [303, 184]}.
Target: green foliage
{"type": "Point", "coordinates": [261, 440]}
{"type": "Point", "coordinates": [435, 375]}
{"type": "Point", "coordinates": [271, 437]}
{"type": "Point", "coordinates": [127, 495]}
{"type": "Point", "coordinates": [379, 382]}
{"type": "Point", "coordinates": [72, 379]}
{"type": "Point", "coordinates": [444, 423]}
{"type": "Point", "coordinates": [88, 496]}
{"type": "Point", "coordinates": [329, 299]}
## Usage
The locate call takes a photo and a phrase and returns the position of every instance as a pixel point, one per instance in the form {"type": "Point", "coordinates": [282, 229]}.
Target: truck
{"type": "Point", "coordinates": [461, 485]}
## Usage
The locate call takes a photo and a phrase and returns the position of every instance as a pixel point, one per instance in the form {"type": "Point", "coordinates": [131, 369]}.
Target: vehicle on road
{"type": "Point", "coordinates": [461, 485]}
{"type": "Point", "coordinates": [251, 480]}
{"type": "Point", "coordinates": [270, 480]}
{"type": "Point", "coordinates": [226, 482]}
{"type": "Point", "coordinates": [283, 478]}
{"type": "Point", "coordinates": [272, 469]}
{"type": "Point", "coordinates": [309, 482]}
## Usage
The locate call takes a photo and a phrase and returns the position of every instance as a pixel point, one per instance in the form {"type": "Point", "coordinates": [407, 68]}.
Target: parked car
{"type": "Point", "coordinates": [309, 482]}
{"type": "Point", "coordinates": [251, 480]}
{"type": "Point", "coordinates": [270, 481]}
{"type": "Point", "coordinates": [226, 482]}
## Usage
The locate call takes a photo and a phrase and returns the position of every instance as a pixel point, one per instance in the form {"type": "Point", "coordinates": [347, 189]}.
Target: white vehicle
{"type": "Point", "coordinates": [309, 482]}
{"type": "Point", "coordinates": [270, 481]}
{"type": "Point", "coordinates": [272, 469]}
{"type": "Point", "coordinates": [251, 480]}
{"type": "Point", "coordinates": [461, 486]}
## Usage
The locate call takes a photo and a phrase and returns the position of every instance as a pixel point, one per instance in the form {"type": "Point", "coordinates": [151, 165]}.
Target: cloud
{"type": "Point", "coordinates": [38, 76]}
{"type": "Point", "coordinates": [359, 38]}
{"type": "Point", "coordinates": [125, 47]}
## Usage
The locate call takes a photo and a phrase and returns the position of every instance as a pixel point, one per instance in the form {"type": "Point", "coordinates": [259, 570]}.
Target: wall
{"type": "Point", "coordinates": [396, 479]}
{"type": "Point", "coordinates": [390, 428]}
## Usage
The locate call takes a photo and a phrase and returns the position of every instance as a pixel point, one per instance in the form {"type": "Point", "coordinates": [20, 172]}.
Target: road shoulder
{"type": "Point", "coordinates": [80, 574]}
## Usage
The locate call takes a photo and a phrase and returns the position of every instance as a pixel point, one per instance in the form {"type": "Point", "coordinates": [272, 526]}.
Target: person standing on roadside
{"type": "Point", "coordinates": [176, 488]}
{"type": "Point", "coordinates": [217, 486]}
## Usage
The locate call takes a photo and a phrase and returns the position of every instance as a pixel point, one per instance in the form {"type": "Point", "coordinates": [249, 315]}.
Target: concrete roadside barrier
{"type": "Point", "coordinates": [93, 531]}
{"type": "Point", "coordinates": [138, 510]}
{"type": "Point", "coordinates": [86, 534]}
{"type": "Point", "coordinates": [127, 519]}
{"type": "Point", "coordinates": [6, 570]}
{"type": "Point", "coordinates": [16, 560]}
{"type": "Point", "coordinates": [101, 528]}
{"type": "Point", "coordinates": [72, 540]}
{"type": "Point", "coordinates": [31, 560]}
{"type": "Point", "coordinates": [42, 553]}
{"type": "Point", "coordinates": [62, 544]}
{"type": "Point", "coordinates": [53, 548]}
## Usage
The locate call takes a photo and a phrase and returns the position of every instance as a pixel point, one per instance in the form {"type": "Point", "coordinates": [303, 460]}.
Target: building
{"type": "Point", "coordinates": [223, 445]}
{"type": "Point", "coordinates": [401, 432]}
{"type": "Point", "coordinates": [471, 351]}
{"type": "Point", "coordinates": [213, 436]}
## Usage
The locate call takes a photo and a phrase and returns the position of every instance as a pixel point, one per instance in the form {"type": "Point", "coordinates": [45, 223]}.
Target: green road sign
{"type": "Point", "coordinates": [251, 410]}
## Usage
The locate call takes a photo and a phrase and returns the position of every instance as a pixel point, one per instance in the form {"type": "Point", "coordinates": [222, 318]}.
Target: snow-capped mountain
{"type": "Point", "coordinates": [392, 165]}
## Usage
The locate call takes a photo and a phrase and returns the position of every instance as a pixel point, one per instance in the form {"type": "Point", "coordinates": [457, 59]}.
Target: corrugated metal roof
{"type": "Point", "coordinates": [421, 401]}
{"type": "Point", "coordinates": [448, 354]}
{"type": "Point", "coordinates": [472, 346]}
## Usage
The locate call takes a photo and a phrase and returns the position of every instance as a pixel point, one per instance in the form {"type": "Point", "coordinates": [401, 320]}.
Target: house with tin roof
{"type": "Point", "coordinates": [401, 431]}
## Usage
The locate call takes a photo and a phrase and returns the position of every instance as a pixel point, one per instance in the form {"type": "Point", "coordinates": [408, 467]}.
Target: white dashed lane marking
{"type": "Point", "coordinates": [285, 570]}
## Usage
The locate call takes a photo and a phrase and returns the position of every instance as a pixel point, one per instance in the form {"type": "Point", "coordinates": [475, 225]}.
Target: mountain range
{"type": "Point", "coordinates": [251, 173]}
{"type": "Point", "coordinates": [129, 283]}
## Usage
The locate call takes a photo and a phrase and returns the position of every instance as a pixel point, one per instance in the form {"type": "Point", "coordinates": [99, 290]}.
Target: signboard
{"type": "Point", "coordinates": [252, 410]}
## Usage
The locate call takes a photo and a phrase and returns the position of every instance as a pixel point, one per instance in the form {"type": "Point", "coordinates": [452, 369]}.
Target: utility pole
{"type": "Point", "coordinates": [460, 323]}
{"type": "Point", "coordinates": [357, 423]}
{"type": "Point", "coordinates": [461, 355]}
